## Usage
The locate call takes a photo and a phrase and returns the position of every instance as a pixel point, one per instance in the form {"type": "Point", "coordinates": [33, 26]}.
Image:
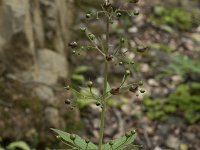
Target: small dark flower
{"type": "Point", "coordinates": [114, 91]}
{"type": "Point", "coordinates": [141, 49]}
{"type": "Point", "coordinates": [67, 101]}
{"type": "Point", "coordinates": [109, 57]}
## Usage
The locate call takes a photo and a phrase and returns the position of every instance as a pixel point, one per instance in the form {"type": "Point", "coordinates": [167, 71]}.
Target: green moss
{"type": "Point", "coordinates": [185, 99]}
{"type": "Point", "coordinates": [175, 17]}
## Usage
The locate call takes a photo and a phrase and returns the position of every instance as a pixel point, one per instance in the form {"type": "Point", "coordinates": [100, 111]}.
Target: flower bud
{"type": "Point", "coordinates": [72, 137]}
{"type": "Point", "coordinates": [122, 40]}
{"type": "Point", "coordinates": [120, 63]}
{"type": "Point", "coordinates": [87, 141]}
{"type": "Point", "coordinates": [88, 16]}
{"type": "Point", "coordinates": [73, 44]}
{"type": "Point", "coordinates": [58, 137]}
{"type": "Point", "coordinates": [127, 134]}
{"type": "Point", "coordinates": [133, 132]}
{"type": "Point", "coordinates": [91, 36]}
{"type": "Point", "coordinates": [136, 12]}
{"type": "Point", "coordinates": [119, 14]}
{"type": "Point", "coordinates": [67, 87]}
{"type": "Point", "coordinates": [90, 84]}
{"type": "Point", "coordinates": [111, 143]}
{"type": "Point", "coordinates": [128, 72]}
{"type": "Point", "coordinates": [142, 91]}
{"type": "Point", "coordinates": [140, 83]}
{"type": "Point", "coordinates": [83, 29]}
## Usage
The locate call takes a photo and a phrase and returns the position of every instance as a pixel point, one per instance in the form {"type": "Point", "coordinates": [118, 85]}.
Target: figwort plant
{"type": "Point", "coordinates": [109, 13]}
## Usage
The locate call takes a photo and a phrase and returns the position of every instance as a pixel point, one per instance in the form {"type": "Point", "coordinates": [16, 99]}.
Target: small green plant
{"type": "Point", "coordinates": [185, 100]}
{"type": "Point", "coordinates": [88, 93]}
{"type": "Point", "coordinates": [78, 76]}
{"type": "Point", "coordinates": [181, 65]}
{"type": "Point", "coordinates": [17, 145]}
{"type": "Point", "coordinates": [170, 18]}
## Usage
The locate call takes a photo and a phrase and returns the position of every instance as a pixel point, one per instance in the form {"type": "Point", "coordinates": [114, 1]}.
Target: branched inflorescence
{"type": "Point", "coordinates": [110, 56]}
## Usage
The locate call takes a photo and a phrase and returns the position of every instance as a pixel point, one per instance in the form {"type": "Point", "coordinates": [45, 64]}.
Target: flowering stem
{"type": "Point", "coordinates": [104, 88]}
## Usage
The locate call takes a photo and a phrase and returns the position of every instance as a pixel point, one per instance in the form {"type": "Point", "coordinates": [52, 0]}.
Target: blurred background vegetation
{"type": "Point", "coordinates": [36, 63]}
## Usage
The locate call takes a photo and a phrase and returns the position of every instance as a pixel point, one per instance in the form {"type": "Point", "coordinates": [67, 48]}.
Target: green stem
{"type": "Point", "coordinates": [104, 88]}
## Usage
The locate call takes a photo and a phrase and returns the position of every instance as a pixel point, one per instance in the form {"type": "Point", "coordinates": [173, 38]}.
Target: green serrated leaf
{"type": "Point", "coordinates": [121, 143]}
{"type": "Point", "coordinates": [78, 142]}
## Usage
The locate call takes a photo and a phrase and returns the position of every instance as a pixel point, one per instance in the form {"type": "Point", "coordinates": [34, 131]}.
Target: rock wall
{"type": "Point", "coordinates": [33, 51]}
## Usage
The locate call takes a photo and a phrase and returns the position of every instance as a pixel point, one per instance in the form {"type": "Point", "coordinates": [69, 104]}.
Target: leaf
{"type": "Point", "coordinates": [78, 142]}
{"type": "Point", "coordinates": [108, 87]}
{"type": "Point", "coordinates": [81, 69]}
{"type": "Point", "coordinates": [78, 78]}
{"type": "Point", "coordinates": [121, 143]}
{"type": "Point", "coordinates": [18, 144]}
